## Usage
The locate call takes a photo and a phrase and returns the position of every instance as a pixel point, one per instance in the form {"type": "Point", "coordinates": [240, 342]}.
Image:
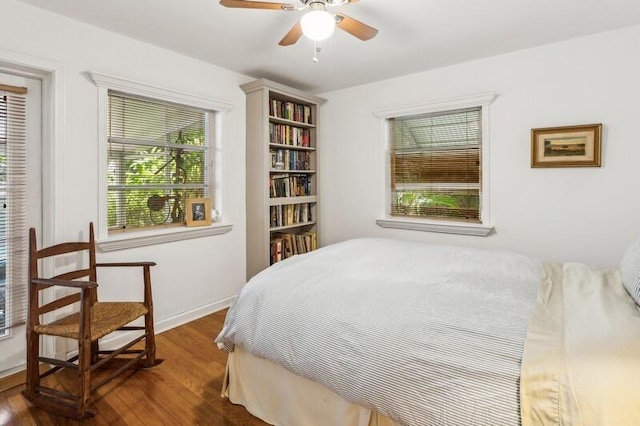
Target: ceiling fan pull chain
{"type": "Point", "coordinates": [316, 50]}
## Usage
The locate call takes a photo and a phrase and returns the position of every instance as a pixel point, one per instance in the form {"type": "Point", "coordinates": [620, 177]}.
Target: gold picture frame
{"type": "Point", "coordinates": [198, 211]}
{"type": "Point", "coordinates": [569, 146]}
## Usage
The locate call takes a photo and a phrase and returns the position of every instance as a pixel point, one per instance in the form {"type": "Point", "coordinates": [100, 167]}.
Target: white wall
{"type": "Point", "coordinates": [191, 276]}
{"type": "Point", "coordinates": [588, 215]}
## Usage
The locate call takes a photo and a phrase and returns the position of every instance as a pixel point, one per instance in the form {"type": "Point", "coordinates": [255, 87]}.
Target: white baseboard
{"type": "Point", "coordinates": [194, 314]}
{"type": "Point", "coordinates": [20, 367]}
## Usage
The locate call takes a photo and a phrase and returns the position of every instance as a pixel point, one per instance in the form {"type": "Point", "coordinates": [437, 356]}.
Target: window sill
{"type": "Point", "coordinates": [473, 229]}
{"type": "Point", "coordinates": [148, 238]}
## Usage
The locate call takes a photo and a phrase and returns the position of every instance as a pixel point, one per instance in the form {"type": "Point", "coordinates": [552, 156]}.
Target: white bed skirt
{"type": "Point", "coordinates": [281, 398]}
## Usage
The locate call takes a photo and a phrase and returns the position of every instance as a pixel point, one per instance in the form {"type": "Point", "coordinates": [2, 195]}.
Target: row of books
{"type": "Point", "coordinates": [290, 214]}
{"type": "Point", "coordinates": [284, 159]}
{"type": "Point", "coordinates": [289, 186]}
{"type": "Point", "coordinates": [283, 134]}
{"type": "Point", "coordinates": [284, 245]}
{"type": "Point", "coordinates": [290, 111]}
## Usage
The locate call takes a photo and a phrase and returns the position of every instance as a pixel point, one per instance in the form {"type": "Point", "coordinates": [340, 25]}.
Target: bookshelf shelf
{"type": "Point", "coordinates": [292, 226]}
{"type": "Point", "coordinates": [282, 174]}
{"type": "Point", "coordinates": [296, 148]}
{"type": "Point", "coordinates": [276, 171]}
{"type": "Point", "coordinates": [294, 123]}
{"type": "Point", "coordinates": [281, 201]}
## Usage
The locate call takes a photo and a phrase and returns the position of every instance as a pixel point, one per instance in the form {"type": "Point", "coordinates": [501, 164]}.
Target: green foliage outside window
{"type": "Point", "coordinates": [151, 171]}
{"type": "Point", "coordinates": [462, 204]}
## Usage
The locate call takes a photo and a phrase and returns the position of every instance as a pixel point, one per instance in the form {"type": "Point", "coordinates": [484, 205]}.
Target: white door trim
{"type": "Point", "coordinates": [52, 76]}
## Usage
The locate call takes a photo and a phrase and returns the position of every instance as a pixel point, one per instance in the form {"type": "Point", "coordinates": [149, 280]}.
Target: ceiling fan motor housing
{"type": "Point", "coordinates": [307, 3]}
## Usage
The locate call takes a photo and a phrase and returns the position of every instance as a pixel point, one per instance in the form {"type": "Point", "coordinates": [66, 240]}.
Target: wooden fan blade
{"type": "Point", "coordinates": [355, 27]}
{"type": "Point", "coordinates": [292, 36]}
{"type": "Point", "coordinates": [253, 4]}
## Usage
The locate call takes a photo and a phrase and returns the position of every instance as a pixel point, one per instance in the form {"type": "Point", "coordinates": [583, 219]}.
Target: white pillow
{"type": "Point", "coordinates": [630, 270]}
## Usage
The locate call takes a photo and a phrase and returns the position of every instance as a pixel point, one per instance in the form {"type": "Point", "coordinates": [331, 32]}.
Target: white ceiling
{"type": "Point", "coordinates": [414, 35]}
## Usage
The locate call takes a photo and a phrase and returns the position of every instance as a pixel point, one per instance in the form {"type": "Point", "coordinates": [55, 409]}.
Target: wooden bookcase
{"type": "Point", "coordinates": [282, 176]}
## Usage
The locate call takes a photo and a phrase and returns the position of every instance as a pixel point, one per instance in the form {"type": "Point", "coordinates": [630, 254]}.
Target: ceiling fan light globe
{"type": "Point", "coordinates": [318, 24]}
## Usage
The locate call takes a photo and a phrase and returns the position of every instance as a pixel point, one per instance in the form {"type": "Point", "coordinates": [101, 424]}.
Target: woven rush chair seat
{"type": "Point", "coordinates": [71, 310]}
{"type": "Point", "coordinates": [106, 317]}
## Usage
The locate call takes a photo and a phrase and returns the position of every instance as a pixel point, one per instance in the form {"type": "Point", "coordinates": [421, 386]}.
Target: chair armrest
{"type": "Point", "coordinates": [126, 264]}
{"type": "Point", "coordinates": [65, 283]}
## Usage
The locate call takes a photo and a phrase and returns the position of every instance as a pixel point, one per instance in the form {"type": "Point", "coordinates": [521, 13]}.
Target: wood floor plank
{"type": "Point", "coordinates": [183, 390]}
{"type": "Point", "coordinates": [21, 412]}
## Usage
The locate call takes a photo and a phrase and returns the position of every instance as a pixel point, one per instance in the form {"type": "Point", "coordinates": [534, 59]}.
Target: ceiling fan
{"type": "Point", "coordinates": [317, 24]}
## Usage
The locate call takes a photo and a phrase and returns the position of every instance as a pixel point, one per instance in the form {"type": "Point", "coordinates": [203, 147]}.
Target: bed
{"type": "Point", "coordinates": [382, 332]}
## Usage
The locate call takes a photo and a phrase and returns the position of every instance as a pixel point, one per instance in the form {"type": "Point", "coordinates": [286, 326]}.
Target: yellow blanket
{"type": "Point", "coordinates": [581, 363]}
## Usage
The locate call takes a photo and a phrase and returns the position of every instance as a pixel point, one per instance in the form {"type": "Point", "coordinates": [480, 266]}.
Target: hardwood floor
{"type": "Point", "coordinates": [183, 390]}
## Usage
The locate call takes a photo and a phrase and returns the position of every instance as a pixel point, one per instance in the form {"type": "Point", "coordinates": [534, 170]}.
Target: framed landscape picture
{"type": "Point", "coordinates": [569, 146]}
{"type": "Point", "coordinates": [198, 212]}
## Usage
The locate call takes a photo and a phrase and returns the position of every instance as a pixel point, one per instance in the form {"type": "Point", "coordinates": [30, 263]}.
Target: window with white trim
{"type": "Point", "coordinates": [158, 157]}
{"type": "Point", "coordinates": [158, 149]}
{"type": "Point", "coordinates": [437, 166]}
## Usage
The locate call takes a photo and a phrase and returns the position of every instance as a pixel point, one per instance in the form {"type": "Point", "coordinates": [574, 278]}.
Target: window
{"type": "Point", "coordinates": [437, 167]}
{"type": "Point", "coordinates": [3, 213]}
{"type": "Point", "coordinates": [158, 157]}
{"type": "Point", "coordinates": [158, 148]}
{"type": "Point", "coordinates": [13, 259]}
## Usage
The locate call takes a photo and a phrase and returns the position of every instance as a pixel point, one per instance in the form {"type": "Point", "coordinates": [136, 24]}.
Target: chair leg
{"type": "Point", "coordinates": [150, 340]}
{"type": "Point", "coordinates": [84, 373]}
{"type": "Point", "coordinates": [33, 370]}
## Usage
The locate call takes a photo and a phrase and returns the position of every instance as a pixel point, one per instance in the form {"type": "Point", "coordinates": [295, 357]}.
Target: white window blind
{"type": "Point", "coordinates": [13, 223]}
{"type": "Point", "coordinates": [158, 157]}
{"type": "Point", "coordinates": [436, 165]}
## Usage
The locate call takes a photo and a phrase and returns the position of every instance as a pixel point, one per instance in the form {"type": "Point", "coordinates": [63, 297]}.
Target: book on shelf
{"type": "Point", "coordinates": [289, 186]}
{"type": "Point", "coordinates": [288, 247]}
{"type": "Point", "coordinates": [276, 250]}
{"type": "Point", "coordinates": [290, 214]}
{"type": "Point", "coordinates": [285, 134]}
{"type": "Point", "coordinates": [285, 244]}
{"type": "Point", "coordinates": [290, 111]}
{"type": "Point", "coordinates": [285, 159]}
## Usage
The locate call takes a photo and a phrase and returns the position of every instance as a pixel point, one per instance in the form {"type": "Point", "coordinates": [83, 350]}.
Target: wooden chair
{"type": "Point", "coordinates": [94, 321]}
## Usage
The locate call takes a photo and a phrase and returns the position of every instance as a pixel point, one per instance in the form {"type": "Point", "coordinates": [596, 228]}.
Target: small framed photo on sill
{"type": "Point", "coordinates": [569, 146]}
{"type": "Point", "coordinates": [198, 211]}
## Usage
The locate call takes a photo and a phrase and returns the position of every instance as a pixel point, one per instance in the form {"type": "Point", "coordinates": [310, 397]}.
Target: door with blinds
{"type": "Point", "coordinates": [20, 207]}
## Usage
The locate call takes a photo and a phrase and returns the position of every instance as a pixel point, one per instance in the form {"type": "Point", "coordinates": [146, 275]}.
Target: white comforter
{"type": "Point", "coordinates": [423, 334]}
